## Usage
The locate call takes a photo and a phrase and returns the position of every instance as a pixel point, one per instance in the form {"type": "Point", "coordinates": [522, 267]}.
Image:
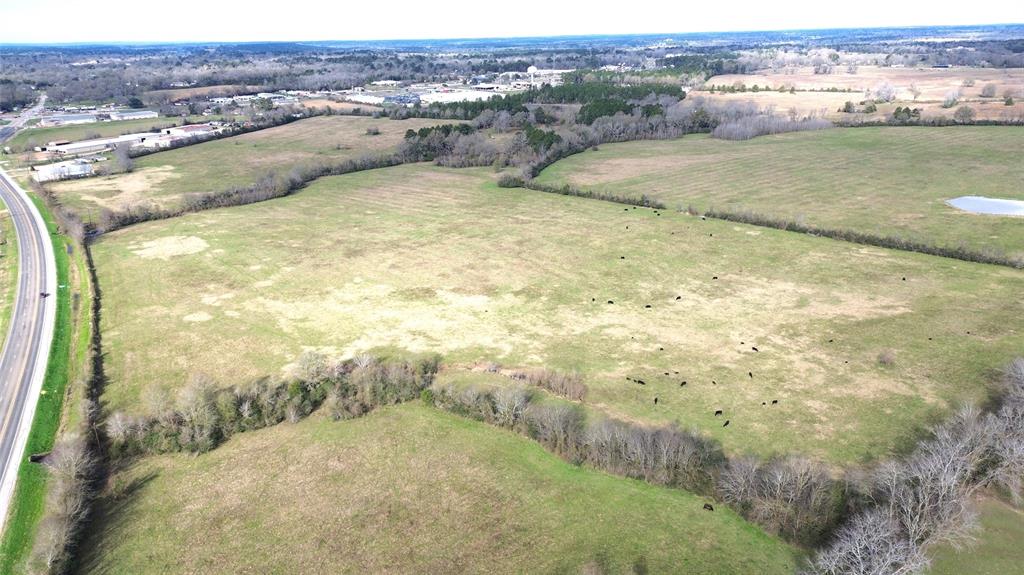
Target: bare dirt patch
{"type": "Point", "coordinates": [169, 247]}
{"type": "Point", "coordinates": [122, 190]}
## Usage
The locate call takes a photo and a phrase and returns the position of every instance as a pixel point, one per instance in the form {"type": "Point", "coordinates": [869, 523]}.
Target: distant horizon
{"type": "Point", "coordinates": [666, 34]}
{"type": "Point", "coordinates": [120, 22]}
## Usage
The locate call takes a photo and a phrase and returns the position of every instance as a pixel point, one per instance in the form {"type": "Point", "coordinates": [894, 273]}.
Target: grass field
{"type": "Point", "coordinates": [422, 258]}
{"type": "Point", "coordinates": [998, 549]}
{"type": "Point", "coordinates": [67, 363]}
{"type": "Point", "coordinates": [889, 181]}
{"type": "Point", "coordinates": [406, 489]}
{"type": "Point", "coordinates": [163, 178]}
{"type": "Point", "coordinates": [8, 269]}
{"type": "Point", "coordinates": [40, 136]}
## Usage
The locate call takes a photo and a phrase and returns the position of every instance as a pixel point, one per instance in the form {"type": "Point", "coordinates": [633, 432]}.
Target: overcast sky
{"type": "Point", "coordinates": [43, 21]}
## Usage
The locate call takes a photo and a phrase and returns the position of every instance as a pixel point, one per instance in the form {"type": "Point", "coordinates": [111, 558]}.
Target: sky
{"type": "Point", "coordinates": [62, 21]}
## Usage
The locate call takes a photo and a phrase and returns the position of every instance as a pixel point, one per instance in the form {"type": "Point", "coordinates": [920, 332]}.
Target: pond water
{"type": "Point", "coordinates": [983, 205]}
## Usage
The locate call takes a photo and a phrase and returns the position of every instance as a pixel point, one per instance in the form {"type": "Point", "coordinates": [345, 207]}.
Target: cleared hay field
{"type": "Point", "coordinates": [933, 83]}
{"type": "Point", "coordinates": [406, 489]}
{"type": "Point", "coordinates": [164, 178]}
{"type": "Point", "coordinates": [426, 259]}
{"type": "Point", "coordinates": [888, 181]}
{"type": "Point", "coordinates": [827, 105]}
{"type": "Point", "coordinates": [338, 106]}
{"type": "Point", "coordinates": [175, 94]}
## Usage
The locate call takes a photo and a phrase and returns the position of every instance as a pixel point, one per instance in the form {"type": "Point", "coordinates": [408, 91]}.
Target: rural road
{"type": "Point", "coordinates": [26, 347]}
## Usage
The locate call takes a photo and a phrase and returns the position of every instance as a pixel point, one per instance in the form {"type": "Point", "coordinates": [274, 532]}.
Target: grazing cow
{"type": "Point", "coordinates": [753, 348]}
{"type": "Point", "coordinates": [714, 277]}
{"type": "Point", "coordinates": [764, 403]}
{"type": "Point", "coordinates": [929, 339]}
{"type": "Point", "coordinates": [641, 382]}
{"type": "Point", "coordinates": [751, 374]}
{"type": "Point", "coordinates": [682, 384]}
{"type": "Point", "coordinates": [726, 424]}
{"type": "Point", "coordinates": [622, 257]}
{"type": "Point", "coordinates": [708, 507]}
{"type": "Point", "coordinates": [666, 373]}
{"type": "Point", "coordinates": [661, 349]}
{"type": "Point", "coordinates": [629, 378]}
{"type": "Point", "coordinates": [711, 235]}
{"type": "Point", "coordinates": [610, 301]}
{"type": "Point", "coordinates": [775, 402]}
{"type": "Point", "coordinates": [904, 279]}
{"type": "Point", "coordinates": [718, 412]}
{"type": "Point", "coordinates": [655, 401]}
{"type": "Point", "coordinates": [593, 299]}
{"type": "Point", "coordinates": [648, 306]}
{"type": "Point", "coordinates": [679, 297]}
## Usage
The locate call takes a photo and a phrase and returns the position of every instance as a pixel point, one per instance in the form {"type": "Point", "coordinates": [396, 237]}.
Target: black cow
{"type": "Point", "coordinates": [726, 424]}
{"type": "Point", "coordinates": [718, 412]}
{"type": "Point", "coordinates": [775, 402]}
{"type": "Point", "coordinates": [708, 507]}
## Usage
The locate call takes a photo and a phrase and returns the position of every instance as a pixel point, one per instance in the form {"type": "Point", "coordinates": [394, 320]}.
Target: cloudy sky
{"type": "Point", "coordinates": [44, 21]}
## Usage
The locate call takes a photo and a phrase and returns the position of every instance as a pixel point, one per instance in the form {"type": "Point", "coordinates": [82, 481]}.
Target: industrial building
{"type": "Point", "coordinates": [62, 170]}
{"type": "Point", "coordinates": [133, 114]}
{"type": "Point", "coordinates": [67, 119]}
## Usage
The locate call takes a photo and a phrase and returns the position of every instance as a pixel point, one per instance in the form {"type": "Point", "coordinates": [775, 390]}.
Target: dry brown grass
{"type": "Point", "coordinates": [933, 82]}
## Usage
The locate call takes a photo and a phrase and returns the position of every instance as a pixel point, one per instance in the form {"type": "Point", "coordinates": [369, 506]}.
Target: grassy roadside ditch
{"type": "Point", "coordinates": [67, 362]}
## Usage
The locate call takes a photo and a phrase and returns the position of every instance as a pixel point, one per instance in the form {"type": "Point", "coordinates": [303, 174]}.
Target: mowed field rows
{"type": "Point", "coordinates": [401, 490]}
{"type": "Point", "coordinates": [887, 181]}
{"type": "Point", "coordinates": [162, 179]}
{"type": "Point", "coordinates": [426, 259]}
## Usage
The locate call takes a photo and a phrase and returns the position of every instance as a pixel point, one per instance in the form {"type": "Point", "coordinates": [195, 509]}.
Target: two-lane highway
{"type": "Point", "coordinates": [26, 348]}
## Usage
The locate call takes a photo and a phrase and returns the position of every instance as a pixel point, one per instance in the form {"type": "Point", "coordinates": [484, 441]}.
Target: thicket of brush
{"type": "Point", "coordinates": [202, 415]}
{"type": "Point", "coordinates": [892, 242]}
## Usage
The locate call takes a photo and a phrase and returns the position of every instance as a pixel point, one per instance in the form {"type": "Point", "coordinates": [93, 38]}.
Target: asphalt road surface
{"type": "Point", "coordinates": [26, 347]}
